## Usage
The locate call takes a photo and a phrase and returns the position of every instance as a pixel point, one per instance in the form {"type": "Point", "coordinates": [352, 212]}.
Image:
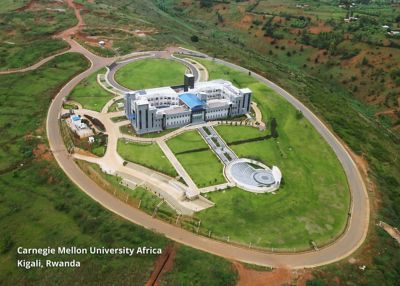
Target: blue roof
{"type": "Point", "coordinates": [75, 118]}
{"type": "Point", "coordinates": [192, 101]}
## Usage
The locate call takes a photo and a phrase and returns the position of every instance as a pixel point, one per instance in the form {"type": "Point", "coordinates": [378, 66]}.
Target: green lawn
{"type": "Point", "coordinates": [199, 161]}
{"type": "Point", "coordinates": [312, 203]}
{"type": "Point", "coordinates": [147, 154]}
{"type": "Point", "coordinates": [150, 73]}
{"type": "Point", "coordinates": [40, 207]}
{"type": "Point", "coordinates": [239, 133]}
{"type": "Point", "coordinates": [90, 94]}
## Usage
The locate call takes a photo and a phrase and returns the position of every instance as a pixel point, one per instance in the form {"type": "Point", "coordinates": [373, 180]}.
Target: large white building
{"type": "Point", "coordinates": [156, 109]}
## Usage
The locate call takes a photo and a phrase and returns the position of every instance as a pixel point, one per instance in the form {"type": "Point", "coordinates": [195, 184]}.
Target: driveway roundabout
{"type": "Point", "coordinates": [348, 242]}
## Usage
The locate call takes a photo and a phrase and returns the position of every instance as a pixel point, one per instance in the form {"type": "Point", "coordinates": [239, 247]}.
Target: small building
{"type": "Point", "coordinates": [102, 43]}
{"type": "Point", "coordinates": [91, 139]}
{"type": "Point", "coordinates": [77, 122]}
{"type": "Point", "coordinates": [394, 33]}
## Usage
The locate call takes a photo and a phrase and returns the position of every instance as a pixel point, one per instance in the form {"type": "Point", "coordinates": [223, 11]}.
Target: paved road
{"type": "Point", "coordinates": [152, 54]}
{"type": "Point", "coordinates": [345, 245]}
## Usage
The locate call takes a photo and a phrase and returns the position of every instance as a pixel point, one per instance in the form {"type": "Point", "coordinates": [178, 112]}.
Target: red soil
{"type": "Point", "coordinates": [163, 264]}
{"type": "Point", "coordinates": [276, 277]}
{"type": "Point", "coordinates": [320, 28]}
{"type": "Point", "coordinates": [42, 153]}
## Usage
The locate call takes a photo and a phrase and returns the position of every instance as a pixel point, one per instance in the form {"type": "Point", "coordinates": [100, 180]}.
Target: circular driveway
{"type": "Point", "coordinates": [351, 239]}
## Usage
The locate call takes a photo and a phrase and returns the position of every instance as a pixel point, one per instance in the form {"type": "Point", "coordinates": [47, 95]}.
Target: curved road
{"type": "Point", "coordinates": [352, 238]}
{"type": "Point", "coordinates": [345, 245]}
{"type": "Point", "coordinates": [114, 67]}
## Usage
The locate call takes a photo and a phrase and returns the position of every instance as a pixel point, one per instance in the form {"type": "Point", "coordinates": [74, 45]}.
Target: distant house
{"type": "Point", "coordinates": [385, 27]}
{"type": "Point", "coordinates": [394, 33]}
{"type": "Point", "coordinates": [350, 19]}
{"type": "Point", "coordinates": [76, 120]}
{"type": "Point", "coordinates": [102, 43]}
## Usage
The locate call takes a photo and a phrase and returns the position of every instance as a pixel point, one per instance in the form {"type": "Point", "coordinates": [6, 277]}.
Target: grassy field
{"type": "Point", "coordinates": [10, 5]}
{"type": "Point", "coordinates": [199, 161]}
{"type": "Point", "coordinates": [189, 270]}
{"type": "Point", "coordinates": [313, 201]}
{"type": "Point", "coordinates": [232, 134]}
{"type": "Point", "coordinates": [149, 155]}
{"type": "Point", "coordinates": [90, 94]}
{"type": "Point", "coordinates": [29, 93]}
{"type": "Point", "coordinates": [150, 73]}
{"type": "Point", "coordinates": [26, 36]}
{"type": "Point", "coordinates": [40, 207]}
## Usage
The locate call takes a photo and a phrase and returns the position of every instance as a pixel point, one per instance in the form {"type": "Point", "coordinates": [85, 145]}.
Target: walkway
{"type": "Point", "coordinates": [353, 237]}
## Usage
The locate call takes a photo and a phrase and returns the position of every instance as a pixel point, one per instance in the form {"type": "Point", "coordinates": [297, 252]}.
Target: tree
{"type": "Point", "coordinates": [206, 3]}
{"type": "Point", "coordinates": [194, 38]}
{"type": "Point", "coordinates": [274, 131]}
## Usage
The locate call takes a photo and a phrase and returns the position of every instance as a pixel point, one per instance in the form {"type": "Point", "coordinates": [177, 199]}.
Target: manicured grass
{"type": "Point", "coordinates": [239, 133]}
{"type": "Point", "coordinates": [313, 201]}
{"type": "Point", "coordinates": [149, 155]}
{"type": "Point", "coordinates": [199, 161]}
{"type": "Point", "coordinates": [90, 94]}
{"type": "Point", "coordinates": [128, 129]}
{"type": "Point", "coordinates": [186, 142]}
{"type": "Point", "coordinates": [157, 134]}
{"type": "Point", "coordinates": [150, 73]}
{"type": "Point", "coordinates": [40, 207]}
{"type": "Point", "coordinates": [114, 107]}
{"type": "Point", "coordinates": [118, 118]}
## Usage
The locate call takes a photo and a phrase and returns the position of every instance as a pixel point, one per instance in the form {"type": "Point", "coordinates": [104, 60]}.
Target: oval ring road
{"type": "Point", "coordinates": [347, 243]}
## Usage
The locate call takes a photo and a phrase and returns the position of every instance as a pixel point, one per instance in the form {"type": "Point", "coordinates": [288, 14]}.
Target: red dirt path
{"type": "Point", "coordinates": [163, 264]}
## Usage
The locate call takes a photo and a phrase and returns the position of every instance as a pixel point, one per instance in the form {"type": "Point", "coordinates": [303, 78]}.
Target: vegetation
{"type": "Point", "coordinates": [26, 35]}
{"type": "Point", "coordinates": [189, 270]}
{"type": "Point", "coordinates": [150, 73]}
{"type": "Point", "coordinates": [29, 94]}
{"type": "Point", "coordinates": [196, 157]}
{"type": "Point", "coordinates": [146, 154]}
{"type": "Point", "coordinates": [90, 94]}
{"type": "Point", "coordinates": [39, 205]}
{"type": "Point", "coordinates": [304, 208]}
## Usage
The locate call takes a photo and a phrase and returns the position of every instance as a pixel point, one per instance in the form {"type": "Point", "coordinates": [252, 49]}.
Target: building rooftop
{"type": "Point", "coordinates": [174, 110]}
{"type": "Point", "coordinates": [214, 103]}
{"type": "Point", "coordinates": [192, 101]}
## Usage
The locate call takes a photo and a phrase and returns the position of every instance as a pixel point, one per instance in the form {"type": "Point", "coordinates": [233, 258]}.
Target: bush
{"type": "Point", "coordinates": [194, 38]}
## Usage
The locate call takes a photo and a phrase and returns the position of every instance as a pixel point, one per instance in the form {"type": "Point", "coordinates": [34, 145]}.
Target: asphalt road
{"type": "Point", "coordinates": [113, 68]}
{"type": "Point", "coordinates": [351, 239]}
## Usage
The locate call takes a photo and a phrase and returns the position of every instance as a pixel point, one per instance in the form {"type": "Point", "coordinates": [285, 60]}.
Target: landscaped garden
{"type": "Point", "coordinates": [146, 154]}
{"type": "Point", "coordinates": [150, 73]}
{"type": "Point", "coordinates": [90, 94]}
{"type": "Point", "coordinates": [313, 201]}
{"type": "Point", "coordinates": [196, 157]}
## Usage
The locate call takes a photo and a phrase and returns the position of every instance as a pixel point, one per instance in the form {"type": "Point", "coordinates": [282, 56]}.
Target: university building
{"type": "Point", "coordinates": [156, 109]}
